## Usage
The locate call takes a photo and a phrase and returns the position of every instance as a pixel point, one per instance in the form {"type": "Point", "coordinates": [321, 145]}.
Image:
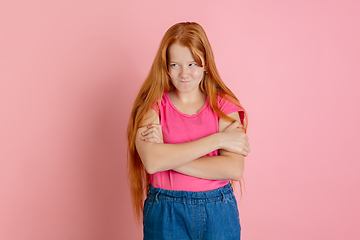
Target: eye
{"type": "Point", "coordinates": [174, 65]}
{"type": "Point", "coordinates": [192, 64]}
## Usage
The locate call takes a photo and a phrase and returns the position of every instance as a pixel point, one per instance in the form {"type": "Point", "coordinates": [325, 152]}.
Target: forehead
{"type": "Point", "coordinates": [179, 52]}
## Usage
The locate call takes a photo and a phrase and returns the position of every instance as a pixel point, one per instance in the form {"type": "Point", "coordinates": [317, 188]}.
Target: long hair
{"type": "Point", "coordinates": [193, 36]}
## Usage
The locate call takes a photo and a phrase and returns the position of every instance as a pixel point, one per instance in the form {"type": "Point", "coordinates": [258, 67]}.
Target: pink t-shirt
{"type": "Point", "coordinates": [178, 127]}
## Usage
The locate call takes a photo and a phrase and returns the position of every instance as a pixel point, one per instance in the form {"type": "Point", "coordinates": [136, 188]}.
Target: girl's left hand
{"type": "Point", "coordinates": [153, 134]}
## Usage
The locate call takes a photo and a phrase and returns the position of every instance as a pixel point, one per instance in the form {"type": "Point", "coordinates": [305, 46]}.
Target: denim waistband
{"type": "Point", "coordinates": [222, 192]}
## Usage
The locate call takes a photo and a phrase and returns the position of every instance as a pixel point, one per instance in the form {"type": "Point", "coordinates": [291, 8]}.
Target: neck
{"type": "Point", "coordinates": [190, 97]}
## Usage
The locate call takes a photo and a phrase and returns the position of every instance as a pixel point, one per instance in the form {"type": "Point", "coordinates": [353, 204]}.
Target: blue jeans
{"type": "Point", "coordinates": [181, 215]}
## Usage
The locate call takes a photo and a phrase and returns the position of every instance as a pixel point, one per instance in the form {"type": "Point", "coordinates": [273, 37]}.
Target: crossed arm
{"type": "Point", "coordinates": [187, 158]}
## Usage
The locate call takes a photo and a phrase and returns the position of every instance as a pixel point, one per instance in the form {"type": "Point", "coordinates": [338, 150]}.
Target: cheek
{"type": "Point", "coordinates": [172, 74]}
{"type": "Point", "coordinates": [198, 74]}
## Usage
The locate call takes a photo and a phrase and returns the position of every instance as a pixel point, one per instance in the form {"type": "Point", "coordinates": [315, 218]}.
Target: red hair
{"type": "Point", "coordinates": [193, 36]}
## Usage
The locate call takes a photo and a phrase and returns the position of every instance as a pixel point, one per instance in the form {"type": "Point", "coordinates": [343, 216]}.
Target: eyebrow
{"type": "Point", "coordinates": [178, 62]}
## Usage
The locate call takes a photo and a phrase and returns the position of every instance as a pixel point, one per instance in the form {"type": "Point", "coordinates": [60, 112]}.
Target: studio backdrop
{"type": "Point", "coordinates": [70, 71]}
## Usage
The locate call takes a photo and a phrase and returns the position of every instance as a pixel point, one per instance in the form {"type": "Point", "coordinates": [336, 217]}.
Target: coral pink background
{"type": "Point", "coordinates": [70, 71]}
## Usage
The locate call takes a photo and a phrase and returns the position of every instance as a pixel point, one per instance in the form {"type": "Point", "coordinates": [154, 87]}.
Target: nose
{"type": "Point", "coordinates": [184, 72]}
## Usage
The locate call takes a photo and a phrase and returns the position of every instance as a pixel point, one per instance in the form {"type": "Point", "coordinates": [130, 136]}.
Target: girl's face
{"type": "Point", "coordinates": [185, 73]}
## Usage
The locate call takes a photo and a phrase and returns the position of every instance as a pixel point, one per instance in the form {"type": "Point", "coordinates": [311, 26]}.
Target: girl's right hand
{"type": "Point", "coordinates": [235, 140]}
{"type": "Point", "coordinates": [153, 134]}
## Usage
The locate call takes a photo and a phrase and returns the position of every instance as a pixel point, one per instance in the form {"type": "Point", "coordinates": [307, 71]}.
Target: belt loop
{"type": "Point", "coordinates": [156, 195]}
{"type": "Point", "coordinates": [223, 196]}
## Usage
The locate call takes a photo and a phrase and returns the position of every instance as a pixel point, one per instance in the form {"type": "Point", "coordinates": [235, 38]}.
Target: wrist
{"type": "Point", "coordinates": [219, 140]}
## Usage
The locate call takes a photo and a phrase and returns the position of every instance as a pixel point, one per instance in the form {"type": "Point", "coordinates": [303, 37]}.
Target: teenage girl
{"type": "Point", "coordinates": [187, 141]}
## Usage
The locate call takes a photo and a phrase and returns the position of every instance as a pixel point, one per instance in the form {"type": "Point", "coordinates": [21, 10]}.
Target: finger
{"type": "Point", "coordinates": [146, 135]}
{"type": "Point", "coordinates": [154, 125]}
{"type": "Point", "coordinates": [242, 129]}
{"type": "Point", "coordinates": [143, 134]}
{"type": "Point", "coordinates": [247, 149]}
{"type": "Point", "coordinates": [147, 132]}
{"type": "Point", "coordinates": [158, 131]}
{"type": "Point", "coordinates": [151, 139]}
{"type": "Point", "coordinates": [156, 135]}
{"type": "Point", "coordinates": [246, 141]}
{"type": "Point", "coordinates": [245, 144]}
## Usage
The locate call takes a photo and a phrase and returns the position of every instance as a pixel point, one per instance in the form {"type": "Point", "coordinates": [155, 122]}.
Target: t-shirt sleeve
{"type": "Point", "coordinates": [228, 107]}
{"type": "Point", "coordinates": [156, 107]}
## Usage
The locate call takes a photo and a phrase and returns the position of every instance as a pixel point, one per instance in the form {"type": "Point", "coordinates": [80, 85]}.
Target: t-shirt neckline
{"type": "Point", "coordinates": [184, 114]}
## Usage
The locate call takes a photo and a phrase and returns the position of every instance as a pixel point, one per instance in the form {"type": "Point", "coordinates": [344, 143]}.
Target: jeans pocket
{"type": "Point", "coordinates": [147, 206]}
{"type": "Point", "coordinates": [233, 202]}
